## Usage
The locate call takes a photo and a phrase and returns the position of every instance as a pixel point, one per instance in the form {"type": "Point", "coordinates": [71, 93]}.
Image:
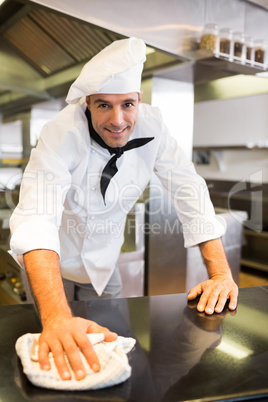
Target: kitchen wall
{"type": "Point", "coordinates": [232, 134]}
{"type": "Point", "coordinates": [175, 100]}
{"type": "Point", "coordinates": [232, 122]}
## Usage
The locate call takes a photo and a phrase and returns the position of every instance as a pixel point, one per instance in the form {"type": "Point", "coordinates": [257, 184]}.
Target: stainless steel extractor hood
{"type": "Point", "coordinates": [261, 3]}
{"type": "Point", "coordinates": [42, 50]}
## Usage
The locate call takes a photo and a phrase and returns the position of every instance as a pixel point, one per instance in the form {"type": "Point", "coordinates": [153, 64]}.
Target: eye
{"type": "Point", "coordinates": [103, 106]}
{"type": "Point", "coordinates": [128, 105]}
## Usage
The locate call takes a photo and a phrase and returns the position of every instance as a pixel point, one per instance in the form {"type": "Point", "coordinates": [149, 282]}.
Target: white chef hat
{"type": "Point", "coordinates": [116, 69]}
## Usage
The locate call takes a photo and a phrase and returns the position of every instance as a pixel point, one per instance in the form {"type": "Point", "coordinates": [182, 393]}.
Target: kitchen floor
{"type": "Point", "coordinates": [252, 277]}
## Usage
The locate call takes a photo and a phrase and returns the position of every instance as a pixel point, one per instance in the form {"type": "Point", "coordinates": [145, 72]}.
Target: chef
{"type": "Point", "coordinates": [91, 165]}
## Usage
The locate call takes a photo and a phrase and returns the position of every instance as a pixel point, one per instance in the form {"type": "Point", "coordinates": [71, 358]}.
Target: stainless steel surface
{"type": "Point", "coordinates": [41, 33]}
{"type": "Point", "coordinates": [180, 355]}
{"type": "Point", "coordinates": [42, 53]}
{"type": "Point", "coordinates": [165, 271]}
{"type": "Point", "coordinates": [43, 45]}
{"type": "Point", "coordinates": [261, 3]}
{"type": "Point", "coordinates": [174, 28]}
{"type": "Point", "coordinates": [169, 267]}
{"type": "Point", "coordinates": [167, 26]}
{"type": "Point", "coordinates": [131, 259]}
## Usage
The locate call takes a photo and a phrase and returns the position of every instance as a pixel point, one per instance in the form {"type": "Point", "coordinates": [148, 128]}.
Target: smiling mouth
{"type": "Point", "coordinates": [116, 131]}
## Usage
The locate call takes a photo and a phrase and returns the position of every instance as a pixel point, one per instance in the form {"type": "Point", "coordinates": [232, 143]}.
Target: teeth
{"type": "Point", "coordinates": [117, 132]}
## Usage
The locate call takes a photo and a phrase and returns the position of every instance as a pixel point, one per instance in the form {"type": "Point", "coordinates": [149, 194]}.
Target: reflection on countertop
{"type": "Point", "coordinates": [180, 354]}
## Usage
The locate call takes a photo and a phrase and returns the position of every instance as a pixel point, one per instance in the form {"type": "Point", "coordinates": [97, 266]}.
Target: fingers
{"type": "Point", "coordinates": [43, 359]}
{"type": "Point", "coordinates": [95, 328]}
{"type": "Point", "coordinates": [72, 348]}
{"type": "Point", "coordinates": [215, 300]}
{"type": "Point", "coordinates": [69, 339]}
{"type": "Point", "coordinates": [214, 295]}
{"type": "Point", "coordinates": [196, 291]}
{"type": "Point", "coordinates": [57, 349]}
{"type": "Point", "coordinates": [110, 336]}
{"type": "Point", "coordinates": [212, 301]}
{"type": "Point", "coordinates": [220, 302]}
{"type": "Point", "coordinates": [233, 300]}
{"type": "Point", "coordinates": [58, 355]}
{"type": "Point", "coordinates": [87, 350]}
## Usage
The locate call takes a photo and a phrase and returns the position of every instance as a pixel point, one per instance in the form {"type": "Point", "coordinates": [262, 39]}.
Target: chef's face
{"type": "Point", "coordinates": [114, 116]}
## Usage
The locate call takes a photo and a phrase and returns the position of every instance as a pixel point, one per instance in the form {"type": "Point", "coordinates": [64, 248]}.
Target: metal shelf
{"type": "Point", "coordinates": [228, 148]}
{"type": "Point", "coordinates": [235, 67]}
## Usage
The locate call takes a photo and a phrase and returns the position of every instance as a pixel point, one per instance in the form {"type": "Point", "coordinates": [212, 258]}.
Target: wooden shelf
{"type": "Point", "coordinates": [255, 252]}
{"type": "Point", "coordinates": [263, 235]}
{"type": "Point", "coordinates": [252, 263]}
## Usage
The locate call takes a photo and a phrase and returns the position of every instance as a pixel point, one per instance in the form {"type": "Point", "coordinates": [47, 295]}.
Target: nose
{"type": "Point", "coordinates": [116, 117]}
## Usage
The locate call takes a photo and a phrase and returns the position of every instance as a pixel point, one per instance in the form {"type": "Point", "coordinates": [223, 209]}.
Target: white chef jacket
{"type": "Point", "coordinates": [61, 207]}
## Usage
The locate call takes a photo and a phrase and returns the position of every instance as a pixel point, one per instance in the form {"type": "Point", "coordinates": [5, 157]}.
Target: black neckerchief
{"type": "Point", "coordinates": [111, 169]}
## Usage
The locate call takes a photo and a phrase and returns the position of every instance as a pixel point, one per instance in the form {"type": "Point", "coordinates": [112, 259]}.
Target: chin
{"type": "Point", "coordinates": [114, 143]}
{"type": "Point", "coordinates": [117, 144]}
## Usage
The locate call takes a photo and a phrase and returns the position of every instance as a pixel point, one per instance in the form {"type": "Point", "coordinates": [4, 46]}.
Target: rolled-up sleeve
{"type": "Point", "coordinates": [34, 235]}
{"type": "Point", "coordinates": [35, 221]}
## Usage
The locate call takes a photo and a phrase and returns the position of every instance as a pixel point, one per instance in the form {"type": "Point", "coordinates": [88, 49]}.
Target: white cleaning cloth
{"type": "Point", "coordinates": [112, 356]}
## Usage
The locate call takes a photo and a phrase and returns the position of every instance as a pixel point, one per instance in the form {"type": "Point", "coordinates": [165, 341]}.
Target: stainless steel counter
{"type": "Point", "coordinates": [169, 266]}
{"type": "Point", "coordinates": [180, 355]}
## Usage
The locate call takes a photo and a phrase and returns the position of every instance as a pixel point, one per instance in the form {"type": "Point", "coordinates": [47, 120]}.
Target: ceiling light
{"type": "Point", "coordinates": [2, 1]}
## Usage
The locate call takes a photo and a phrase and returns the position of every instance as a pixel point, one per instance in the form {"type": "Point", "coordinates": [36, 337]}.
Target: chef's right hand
{"type": "Point", "coordinates": [69, 335]}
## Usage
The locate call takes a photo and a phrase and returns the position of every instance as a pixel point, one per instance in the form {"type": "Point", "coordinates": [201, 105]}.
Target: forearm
{"type": "Point", "coordinates": [43, 272]}
{"type": "Point", "coordinates": [61, 331]}
{"type": "Point", "coordinates": [215, 259]}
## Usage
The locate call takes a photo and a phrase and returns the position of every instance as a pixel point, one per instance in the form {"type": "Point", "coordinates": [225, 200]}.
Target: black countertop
{"type": "Point", "coordinates": [180, 355]}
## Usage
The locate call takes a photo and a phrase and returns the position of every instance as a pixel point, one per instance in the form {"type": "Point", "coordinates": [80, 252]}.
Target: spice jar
{"type": "Point", "coordinates": [209, 39]}
{"type": "Point", "coordinates": [259, 51]}
{"type": "Point", "coordinates": [225, 42]}
{"type": "Point", "coordinates": [249, 49]}
{"type": "Point", "coordinates": [239, 46]}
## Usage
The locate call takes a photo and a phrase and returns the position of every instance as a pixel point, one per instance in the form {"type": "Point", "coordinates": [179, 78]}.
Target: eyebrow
{"type": "Point", "coordinates": [100, 100]}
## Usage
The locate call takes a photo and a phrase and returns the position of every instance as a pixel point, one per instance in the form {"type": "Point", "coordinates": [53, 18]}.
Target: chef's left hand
{"type": "Point", "coordinates": [214, 294]}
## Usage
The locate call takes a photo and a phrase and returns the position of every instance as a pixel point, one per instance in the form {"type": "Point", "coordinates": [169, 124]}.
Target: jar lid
{"type": "Point", "coordinates": [227, 32]}
{"type": "Point", "coordinates": [260, 42]}
{"type": "Point", "coordinates": [240, 36]}
{"type": "Point", "coordinates": [248, 39]}
{"type": "Point", "coordinates": [211, 28]}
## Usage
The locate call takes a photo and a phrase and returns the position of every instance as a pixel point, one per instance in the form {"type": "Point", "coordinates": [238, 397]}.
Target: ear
{"type": "Point", "coordinates": [140, 95]}
{"type": "Point", "coordinates": [88, 101]}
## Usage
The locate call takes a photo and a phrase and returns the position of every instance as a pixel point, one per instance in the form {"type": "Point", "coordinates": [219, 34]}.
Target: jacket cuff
{"type": "Point", "coordinates": [35, 235]}
{"type": "Point", "coordinates": [200, 230]}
